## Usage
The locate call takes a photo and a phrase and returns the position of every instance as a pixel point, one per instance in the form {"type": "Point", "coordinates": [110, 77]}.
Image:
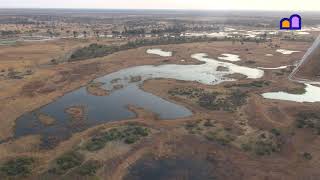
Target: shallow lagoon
{"type": "Point", "coordinates": [101, 109]}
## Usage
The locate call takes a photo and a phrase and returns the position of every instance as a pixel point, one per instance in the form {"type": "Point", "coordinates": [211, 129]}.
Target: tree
{"type": "Point", "coordinates": [50, 33]}
{"type": "Point", "coordinates": [97, 32]}
{"type": "Point", "coordinates": [68, 32]}
{"type": "Point", "coordinates": [75, 34]}
{"type": "Point", "coordinates": [85, 34]}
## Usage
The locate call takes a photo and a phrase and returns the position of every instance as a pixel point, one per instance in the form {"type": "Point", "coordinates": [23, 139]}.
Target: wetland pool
{"type": "Point", "coordinates": [124, 87]}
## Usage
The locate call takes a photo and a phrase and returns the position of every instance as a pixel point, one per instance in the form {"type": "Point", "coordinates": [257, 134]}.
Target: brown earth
{"type": "Point", "coordinates": [170, 138]}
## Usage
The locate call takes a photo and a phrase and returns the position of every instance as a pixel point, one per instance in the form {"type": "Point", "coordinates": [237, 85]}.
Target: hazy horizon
{"type": "Point", "coordinates": [246, 5]}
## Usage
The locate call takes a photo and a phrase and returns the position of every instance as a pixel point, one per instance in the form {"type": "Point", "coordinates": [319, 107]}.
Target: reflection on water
{"type": "Point", "coordinates": [159, 52]}
{"type": "Point", "coordinates": [280, 67]}
{"type": "Point", "coordinates": [286, 52]}
{"type": "Point", "coordinates": [229, 57]}
{"type": "Point", "coordinates": [99, 109]}
{"type": "Point", "coordinates": [171, 168]}
{"type": "Point", "coordinates": [124, 87]}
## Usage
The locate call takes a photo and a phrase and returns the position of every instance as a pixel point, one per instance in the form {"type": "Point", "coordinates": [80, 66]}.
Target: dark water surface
{"type": "Point", "coordinates": [171, 169]}
{"type": "Point", "coordinates": [99, 109]}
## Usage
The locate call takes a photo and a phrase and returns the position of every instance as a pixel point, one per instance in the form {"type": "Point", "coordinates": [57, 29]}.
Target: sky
{"type": "Point", "coordinates": [287, 5]}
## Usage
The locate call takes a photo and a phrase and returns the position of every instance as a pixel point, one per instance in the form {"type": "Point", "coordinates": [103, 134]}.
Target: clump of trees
{"type": "Point", "coordinates": [263, 143]}
{"type": "Point", "coordinates": [307, 156]}
{"type": "Point", "coordinates": [213, 101]}
{"type": "Point", "coordinates": [98, 50]}
{"type": "Point", "coordinates": [170, 30]}
{"type": "Point", "coordinates": [133, 32]}
{"type": "Point", "coordinates": [128, 135]}
{"type": "Point", "coordinates": [298, 90]}
{"type": "Point", "coordinates": [308, 119]}
{"type": "Point", "coordinates": [253, 84]}
{"type": "Point", "coordinates": [9, 32]}
{"type": "Point", "coordinates": [66, 162]}
{"type": "Point", "coordinates": [21, 166]}
{"type": "Point", "coordinates": [220, 137]}
{"type": "Point", "coordinates": [89, 168]}
{"type": "Point", "coordinates": [93, 51]}
{"type": "Point", "coordinates": [190, 92]}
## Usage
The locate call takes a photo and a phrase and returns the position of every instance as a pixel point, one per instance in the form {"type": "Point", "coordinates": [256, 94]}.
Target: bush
{"type": "Point", "coordinates": [89, 168]}
{"type": "Point", "coordinates": [265, 148]}
{"type": "Point", "coordinates": [220, 137]}
{"type": "Point", "coordinates": [275, 132]}
{"type": "Point", "coordinates": [308, 120]}
{"type": "Point", "coordinates": [255, 84]}
{"type": "Point", "coordinates": [307, 156]}
{"type": "Point", "coordinates": [189, 92]}
{"type": "Point", "coordinates": [246, 147]}
{"type": "Point", "coordinates": [95, 144]}
{"type": "Point", "coordinates": [213, 102]}
{"type": "Point", "coordinates": [263, 143]}
{"type": "Point", "coordinates": [208, 100]}
{"type": "Point", "coordinates": [266, 143]}
{"type": "Point", "coordinates": [17, 167]}
{"type": "Point", "coordinates": [67, 161]}
{"type": "Point", "coordinates": [131, 139]}
{"type": "Point", "coordinates": [301, 90]}
{"type": "Point", "coordinates": [208, 123]}
{"type": "Point", "coordinates": [129, 135]}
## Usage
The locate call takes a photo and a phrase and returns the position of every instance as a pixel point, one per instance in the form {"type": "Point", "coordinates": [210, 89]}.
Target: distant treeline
{"type": "Point", "coordinates": [174, 29]}
{"type": "Point", "coordinates": [98, 50]}
{"type": "Point", "coordinates": [138, 31]}
{"type": "Point", "coordinates": [9, 33]}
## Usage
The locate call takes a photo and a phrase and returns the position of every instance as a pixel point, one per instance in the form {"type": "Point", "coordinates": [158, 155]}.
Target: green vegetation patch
{"type": "Point", "coordinates": [231, 102]}
{"type": "Point", "coordinates": [21, 166]}
{"type": "Point", "coordinates": [66, 162]}
{"type": "Point", "coordinates": [212, 100]}
{"type": "Point", "coordinates": [308, 119]}
{"type": "Point", "coordinates": [301, 90]}
{"type": "Point", "coordinates": [211, 131]}
{"type": "Point", "coordinates": [194, 127]}
{"type": "Point", "coordinates": [129, 135]}
{"type": "Point", "coordinates": [93, 51]}
{"type": "Point", "coordinates": [189, 92]}
{"type": "Point", "coordinates": [98, 50]}
{"type": "Point", "coordinates": [221, 136]}
{"type": "Point", "coordinates": [89, 168]}
{"type": "Point", "coordinates": [263, 143]}
{"type": "Point", "coordinates": [307, 156]}
{"type": "Point", "coordinates": [253, 84]}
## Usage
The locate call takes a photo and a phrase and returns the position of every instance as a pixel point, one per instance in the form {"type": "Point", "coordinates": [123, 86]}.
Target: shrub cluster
{"type": "Point", "coordinates": [21, 166]}
{"type": "Point", "coordinates": [308, 119]}
{"type": "Point", "coordinates": [230, 103]}
{"type": "Point", "coordinates": [129, 135]}
{"type": "Point", "coordinates": [97, 50]}
{"type": "Point", "coordinates": [67, 161]}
